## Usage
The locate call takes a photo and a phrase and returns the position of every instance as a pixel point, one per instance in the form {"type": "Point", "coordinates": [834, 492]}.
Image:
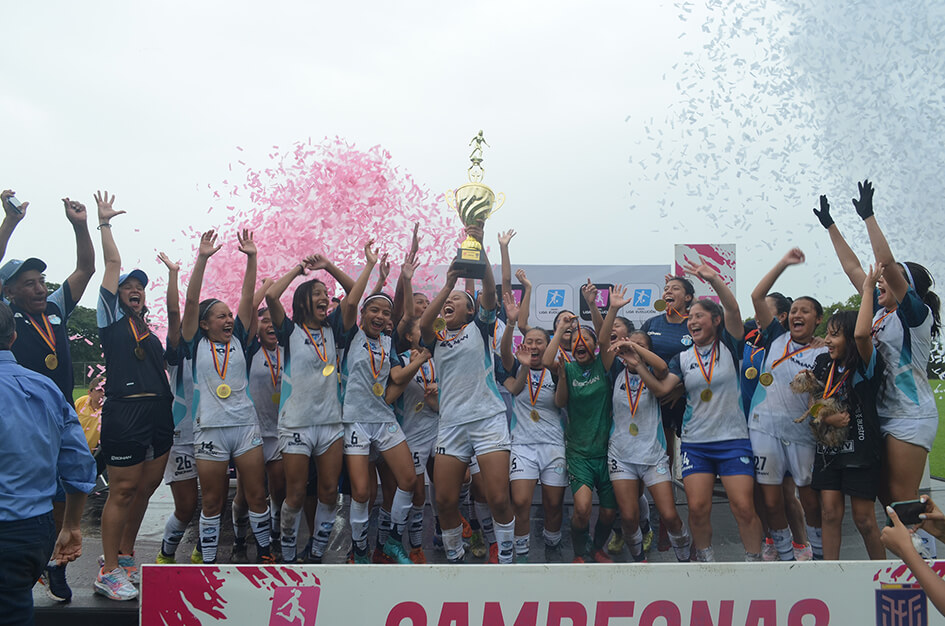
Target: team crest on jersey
{"type": "Point", "coordinates": [55, 320]}
{"type": "Point", "coordinates": [686, 340]}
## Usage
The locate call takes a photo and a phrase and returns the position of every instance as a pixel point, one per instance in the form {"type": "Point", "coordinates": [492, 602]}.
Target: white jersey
{"type": "Point", "coordinates": [637, 435]}
{"type": "Point", "coordinates": [904, 338]}
{"type": "Point", "coordinates": [775, 407]}
{"type": "Point", "coordinates": [721, 418]}
{"type": "Point", "coordinates": [549, 427]}
{"type": "Point", "coordinates": [311, 390]}
{"type": "Point", "coordinates": [265, 386]}
{"type": "Point", "coordinates": [419, 426]}
{"type": "Point", "coordinates": [219, 369]}
{"type": "Point", "coordinates": [182, 385]}
{"type": "Point", "coordinates": [468, 391]}
{"type": "Point", "coordinates": [366, 364]}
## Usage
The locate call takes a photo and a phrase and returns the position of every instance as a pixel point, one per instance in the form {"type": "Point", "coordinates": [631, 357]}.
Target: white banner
{"type": "Point", "coordinates": [816, 593]}
{"type": "Point", "coordinates": [718, 256]}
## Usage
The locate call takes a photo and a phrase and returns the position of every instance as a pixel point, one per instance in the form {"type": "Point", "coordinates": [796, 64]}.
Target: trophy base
{"type": "Point", "coordinates": [470, 263]}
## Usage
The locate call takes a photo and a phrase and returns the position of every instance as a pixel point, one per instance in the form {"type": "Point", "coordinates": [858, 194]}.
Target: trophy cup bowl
{"type": "Point", "coordinates": [475, 203]}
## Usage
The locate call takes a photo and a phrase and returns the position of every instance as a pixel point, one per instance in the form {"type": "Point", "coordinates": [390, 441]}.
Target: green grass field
{"type": "Point", "coordinates": [937, 456]}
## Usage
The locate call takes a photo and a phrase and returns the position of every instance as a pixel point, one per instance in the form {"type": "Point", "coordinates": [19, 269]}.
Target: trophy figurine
{"type": "Point", "coordinates": [474, 202]}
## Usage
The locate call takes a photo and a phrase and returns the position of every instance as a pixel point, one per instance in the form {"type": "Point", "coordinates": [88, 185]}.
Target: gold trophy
{"type": "Point", "coordinates": [474, 202]}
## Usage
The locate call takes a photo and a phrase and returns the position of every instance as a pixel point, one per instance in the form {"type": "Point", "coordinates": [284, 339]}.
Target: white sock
{"type": "Point", "coordinates": [522, 545]}
{"type": "Point", "coordinates": [505, 537]}
{"type": "Point", "coordinates": [360, 514]}
{"type": "Point", "coordinates": [816, 538]}
{"type": "Point", "coordinates": [705, 555]}
{"type": "Point", "coordinates": [644, 514]}
{"type": "Point", "coordinates": [484, 515]}
{"type": "Point", "coordinates": [783, 543]}
{"type": "Point", "coordinates": [173, 533]}
{"type": "Point", "coordinates": [682, 544]}
{"type": "Point", "coordinates": [240, 518]}
{"type": "Point", "coordinates": [552, 539]}
{"type": "Point", "coordinates": [324, 523]}
{"type": "Point", "coordinates": [635, 543]}
{"type": "Point", "coordinates": [291, 520]}
{"type": "Point", "coordinates": [453, 543]}
{"type": "Point", "coordinates": [399, 510]}
{"type": "Point", "coordinates": [383, 526]}
{"type": "Point", "coordinates": [209, 537]}
{"type": "Point", "coordinates": [416, 526]}
{"type": "Point", "coordinates": [260, 523]}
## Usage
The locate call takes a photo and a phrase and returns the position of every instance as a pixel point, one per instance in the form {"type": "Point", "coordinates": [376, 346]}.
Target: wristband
{"type": "Point", "coordinates": [104, 225]}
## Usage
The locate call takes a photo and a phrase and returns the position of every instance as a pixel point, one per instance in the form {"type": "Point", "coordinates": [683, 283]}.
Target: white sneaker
{"type": "Point", "coordinates": [769, 552]}
{"type": "Point", "coordinates": [115, 585]}
{"type": "Point", "coordinates": [804, 553]}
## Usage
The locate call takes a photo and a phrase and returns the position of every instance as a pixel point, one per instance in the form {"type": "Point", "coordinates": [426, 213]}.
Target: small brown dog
{"type": "Point", "coordinates": [806, 382]}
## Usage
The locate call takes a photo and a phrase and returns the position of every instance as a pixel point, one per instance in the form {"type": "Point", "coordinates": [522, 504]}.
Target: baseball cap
{"type": "Point", "coordinates": [13, 267]}
{"type": "Point", "coordinates": [139, 274]}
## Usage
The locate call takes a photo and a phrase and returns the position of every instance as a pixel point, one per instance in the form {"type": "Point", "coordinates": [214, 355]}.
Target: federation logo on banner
{"type": "Point", "coordinates": [555, 298]}
{"type": "Point", "coordinates": [901, 607]}
{"type": "Point", "coordinates": [642, 297]}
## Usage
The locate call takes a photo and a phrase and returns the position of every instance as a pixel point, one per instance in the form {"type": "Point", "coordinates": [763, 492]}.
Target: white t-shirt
{"type": "Point", "coordinates": [549, 429]}
{"type": "Point", "coordinates": [636, 437]}
{"type": "Point", "coordinates": [266, 366]}
{"type": "Point", "coordinates": [309, 397]}
{"type": "Point", "coordinates": [215, 364]}
{"type": "Point", "coordinates": [363, 358]}
{"type": "Point", "coordinates": [418, 426]}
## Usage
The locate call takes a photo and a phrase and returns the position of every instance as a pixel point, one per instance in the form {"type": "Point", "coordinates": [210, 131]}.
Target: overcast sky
{"type": "Point", "coordinates": [616, 129]}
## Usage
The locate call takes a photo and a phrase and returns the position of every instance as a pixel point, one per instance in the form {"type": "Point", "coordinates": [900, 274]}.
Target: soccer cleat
{"type": "Point", "coordinates": [379, 557]}
{"type": "Point", "coordinates": [494, 553]}
{"type": "Point", "coordinates": [768, 551]}
{"type": "Point", "coordinates": [54, 580]}
{"type": "Point", "coordinates": [467, 529]}
{"type": "Point", "coordinates": [578, 559]}
{"type": "Point", "coordinates": [602, 557]}
{"type": "Point", "coordinates": [267, 559]}
{"type": "Point", "coordinates": [163, 559]}
{"type": "Point", "coordinates": [238, 555]}
{"type": "Point", "coordinates": [553, 553]}
{"type": "Point", "coordinates": [803, 553]}
{"type": "Point", "coordinates": [394, 550]}
{"type": "Point", "coordinates": [476, 544]}
{"type": "Point", "coordinates": [114, 585]}
{"type": "Point", "coordinates": [647, 540]}
{"type": "Point", "coordinates": [616, 543]}
{"type": "Point", "coordinates": [418, 557]}
{"type": "Point", "coordinates": [360, 559]}
{"type": "Point", "coordinates": [196, 557]}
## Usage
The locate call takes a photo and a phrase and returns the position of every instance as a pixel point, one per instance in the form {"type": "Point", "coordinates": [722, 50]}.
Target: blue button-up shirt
{"type": "Point", "coordinates": [40, 435]}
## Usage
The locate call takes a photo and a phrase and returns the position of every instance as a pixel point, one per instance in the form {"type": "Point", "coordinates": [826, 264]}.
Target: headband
{"type": "Point", "coordinates": [375, 296]}
{"type": "Point", "coordinates": [210, 304]}
{"type": "Point", "coordinates": [908, 275]}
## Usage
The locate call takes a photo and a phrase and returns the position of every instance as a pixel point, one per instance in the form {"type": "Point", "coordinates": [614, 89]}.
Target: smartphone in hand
{"type": "Point", "coordinates": [908, 512]}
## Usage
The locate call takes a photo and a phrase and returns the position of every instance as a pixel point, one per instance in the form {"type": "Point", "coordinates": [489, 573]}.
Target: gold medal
{"type": "Point", "coordinates": [328, 370]}
{"type": "Point", "coordinates": [276, 397]}
{"type": "Point", "coordinates": [706, 395]}
{"type": "Point", "coordinates": [378, 389]}
{"type": "Point", "coordinates": [139, 353]}
{"type": "Point", "coordinates": [660, 305]}
{"type": "Point", "coordinates": [52, 361]}
{"type": "Point", "coordinates": [815, 408]}
{"type": "Point", "coordinates": [766, 379]}
{"type": "Point", "coordinates": [534, 415]}
{"type": "Point", "coordinates": [418, 407]}
{"type": "Point", "coordinates": [223, 391]}
{"type": "Point", "coordinates": [751, 373]}
{"type": "Point", "coordinates": [439, 325]}
{"type": "Point", "coordinates": [634, 429]}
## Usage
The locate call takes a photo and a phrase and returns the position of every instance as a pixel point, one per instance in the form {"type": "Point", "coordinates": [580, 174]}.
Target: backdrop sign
{"type": "Point", "coordinates": [718, 256]}
{"type": "Point", "coordinates": [660, 594]}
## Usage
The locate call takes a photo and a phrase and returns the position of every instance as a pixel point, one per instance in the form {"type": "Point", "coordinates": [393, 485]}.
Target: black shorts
{"type": "Point", "coordinates": [672, 417]}
{"type": "Point", "coordinates": [859, 482]}
{"type": "Point", "coordinates": [130, 426]}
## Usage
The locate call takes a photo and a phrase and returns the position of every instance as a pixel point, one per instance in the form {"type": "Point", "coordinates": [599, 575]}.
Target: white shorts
{"type": "Point", "coordinates": [360, 437]}
{"type": "Point", "coordinates": [919, 431]}
{"type": "Point", "coordinates": [480, 437]}
{"type": "Point", "coordinates": [473, 465]}
{"type": "Point", "coordinates": [774, 458]}
{"type": "Point", "coordinates": [309, 440]}
{"type": "Point", "coordinates": [271, 449]}
{"type": "Point", "coordinates": [649, 474]}
{"type": "Point", "coordinates": [538, 461]}
{"type": "Point", "coordinates": [180, 464]}
{"type": "Point", "coordinates": [421, 453]}
{"type": "Point", "coordinates": [225, 442]}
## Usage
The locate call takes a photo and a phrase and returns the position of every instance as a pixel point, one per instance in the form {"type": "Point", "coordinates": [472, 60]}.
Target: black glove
{"type": "Point", "coordinates": [864, 206]}
{"type": "Point", "coordinates": [824, 213]}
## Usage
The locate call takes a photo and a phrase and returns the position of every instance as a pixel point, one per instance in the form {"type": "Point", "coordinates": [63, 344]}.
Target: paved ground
{"type": "Point", "coordinates": [81, 574]}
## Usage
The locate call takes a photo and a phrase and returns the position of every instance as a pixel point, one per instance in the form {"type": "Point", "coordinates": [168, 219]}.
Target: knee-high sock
{"type": "Point", "coordinates": [635, 543]}
{"type": "Point", "coordinates": [383, 526]}
{"type": "Point", "coordinates": [551, 538]}
{"type": "Point", "coordinates": [240, 516]}
{"type": "Point", "coordinates": [682, 544]}
{"type": "Point", "coordinates": [324, 523]}
{"type": "Point", "coordinates": [275, 527]}
{"type": "Point", "coordinates": [360, 513]}
{"type": "Point", "coordinates": [816, 537]}
{"type": "Point", "coordinates": [783, 543]}
{"type": "Point", "coordinates": [505, 537]}
{"type": "Point", "coordinates": [485, 520]}
{"type": "Point", "coordinates": [173, 533]}
{"type": "Point", "coordinates": [453, 543]}
{"type": "Point", "coordinates": [260, 523]}
{"type": "Point", "coordinates": [209, 537]}
{"type": "Point", "coordinates": [291, 520]}
{"type": "Point", "coordinates": [399, 510]}
{"type": "Point", "coordinates": [416, 526]}
{"type": "Point", "coordinates": [644, 514]}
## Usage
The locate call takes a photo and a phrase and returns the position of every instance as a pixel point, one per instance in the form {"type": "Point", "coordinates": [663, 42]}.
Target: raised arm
{"type": "Point", "coordinates": [526, 300]}
{"type": "Point", "coordinates": [404, 304]}
{"type": "Point", "coordinates": [349, 304]}
{"type": "Point", "coordinates": [733, 315]}
{"type": "Point", "coordinates": [191, 319]}
{"type": "Point", "coordinates": [589, 292]}
{"type": "Point", "coordinates": [895, 281]}
{"type": "Point", "coordinates": [551, 352]}
{"type": "Point", "coordinates": [618, 300]}
{"type": "Point", "coordinates": [276, 289]}
{"type": "Point", "coordinates": [505, 344]}
{"type": "Point", "coordinates": [863, 332]}
{"type": "Point", "coordinates": [762, 313]}
{"type": "Point", "coordinates": [173, 301]}
{"type": "Point", "coordinates": [487, 297]}
{"type": "Point", "coordinates": [517, 384]}
{"type": "Point", "coordinates": [84, 252]}
{"type": "Point", "coordinates": [401, 374]}
{"type": "Point", "coordinates": [247, 246]}
{"type": "Point", "coordinates": [848, 261]}
{"type": "Point", "coordinates": [560, 375]}
{"type": "Point", "coordinates": [622, 347]}
{"type": "Point", "coordinates": [109, 249]}
{"type": "Point", "coordinates": [504, 239]}
{"type": "Point", "coordinates": [383, 271]}
{"type": "Point", "coordinates": [405, 290]}
{"type": "Point", "coordinates": [436, 305]}
{"type": "Point", "coordinates": [11, 218]}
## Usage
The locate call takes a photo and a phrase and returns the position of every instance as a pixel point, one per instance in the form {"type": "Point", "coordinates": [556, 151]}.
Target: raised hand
{"type": "Point", "coordinates": [105, 210]}
{"type": "Point", "coordinates": [475, 231]}
{"type": "Point", "coordinates": [506, 237]}
{"type": "Point", "coordinates": [384, 269]}
{"type": "Point", "coordinates": [864, 206]}
{"type": "Point", "coordinates": [618, 297]}
{"type": "Point", "coordinates": [869, 283]}
{"type": "Point", "coordinates": [246, 243]}
{"type": "Point", "coordinates": [524, 355]}
{"type": "Point", "coordinates": [703, 271]}
{"type": "Point", "coordinates": [408, 268]}
{"type": "Point", "coordinates": [522, 278]}
{"type": "Point", "coordinates": [370, 255]}
{"type": "Point", "coordinates": [414, 243]}
{"type": "Point", "coordinates": [208, 245]}
{"type": "Point", "coordinates": [511, 307]}
{"type": "Point", "coordinates": [668, 278]}
{"type": "Point", "coordinates": [794, 256]}
{"type": "Point", "coordinates": [452, 275]}
{"type": "Point", "coordinates": [9, 211]}
{"type": "Point", "coordinates": [589, 291]}
{"type": "Point", "coordinates": [166, 260]}
{"type": "Point", "coordinates": [315, 262]}
{"type": "Point", "coordinates": [75, 211]}
{"type": "Point", "coordinates": [824, 213]}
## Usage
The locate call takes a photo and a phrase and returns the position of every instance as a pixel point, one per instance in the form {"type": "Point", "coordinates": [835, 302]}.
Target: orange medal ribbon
{"type": "Point", "coordinates": [273, 371]}
{"type": "Point", "coordinates": [786, 356]}
{"type": "Point", "coordinates": [567, 357]}
{"type": "Point", "coordinates": [48, 337]}
{"type": "Point", "coordinates": [533, 395]}
{"type": "Point", "coordinates": [323, 353]}
{"type": "Point", "coordinates": [673, 309]}
{"type": "Point", "coordinates": [134, 331]}
{"type": "Point", "coordinates": [828, 390]}
{"type": "Point", "coordinates": [634, 402]}
{"type": "Point", "coordinates": [216, 361]}
{"type": "Point", "coordinates": [375, 370]}
{"type": "Point", "coordinates": [707, 377]}
{"type": "Point", "coordinates": [876, 324]}
{"type": "Point", "coordinates": [442, 334]}
{"type": "Point", "coordinates": [423, 377]}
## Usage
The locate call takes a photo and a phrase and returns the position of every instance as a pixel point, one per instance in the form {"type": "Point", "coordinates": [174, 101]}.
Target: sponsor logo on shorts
{"type": "Point", "coordinates": [257, 441]}
{"type": "Point", "coordinates": [662, 469]}
{"type": "Point", "coordinates": [559, 469]}
{"type": "Point", "coordinates": [744, 459]}
{"type": "Point", "coordinates": [127, 457]}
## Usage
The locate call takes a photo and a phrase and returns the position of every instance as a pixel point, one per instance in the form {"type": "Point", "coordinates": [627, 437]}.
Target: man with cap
{"type": "Point", "coordinates": [42, 441]}
{"type": "Point", "coordinates": [40, 317]}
